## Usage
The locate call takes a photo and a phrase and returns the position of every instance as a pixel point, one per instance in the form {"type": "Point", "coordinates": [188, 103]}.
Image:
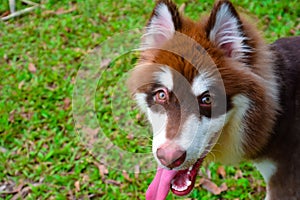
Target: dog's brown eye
{"type": "Point", "coordinates": [161, 96]}
{"type": "Point", "coordinates": [206, 100]}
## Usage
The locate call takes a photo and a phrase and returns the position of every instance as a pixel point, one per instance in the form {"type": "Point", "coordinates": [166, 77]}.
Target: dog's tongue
{"type": "Point", "coordinates": [160, 186]}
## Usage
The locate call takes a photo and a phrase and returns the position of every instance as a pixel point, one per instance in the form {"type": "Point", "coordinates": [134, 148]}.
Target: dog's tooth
{"type": "Point", "coordinates": [179, 189]}
{"type": "Point", "coordinates": [188, 183]}
{"type": "Point", "coordinates": [190, 169]}
{"type": "Point", "coordinates": [173, 186]}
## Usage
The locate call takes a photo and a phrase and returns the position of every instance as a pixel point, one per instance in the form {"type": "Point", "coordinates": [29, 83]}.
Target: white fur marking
{"type": "Point", "coordinates": [267, 168]}
{"type": "Point", "coordinates": [165, 77]}
{"type": "Point", "coordinates": [196, 136]}
{"type": "Point", "coordinates": [141, 101]}
{"type": "Point", "coordinates": [200, 83]}
{"type": "Point", "coordinates": [159, 123]}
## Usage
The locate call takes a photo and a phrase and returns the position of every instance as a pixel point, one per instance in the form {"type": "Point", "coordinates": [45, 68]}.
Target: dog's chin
{"type": "Point", "coordinates": [184, 180]}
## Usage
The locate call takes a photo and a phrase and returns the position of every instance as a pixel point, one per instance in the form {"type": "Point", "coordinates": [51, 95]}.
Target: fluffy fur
{"type": "Point", "coordinates": [254, 114]}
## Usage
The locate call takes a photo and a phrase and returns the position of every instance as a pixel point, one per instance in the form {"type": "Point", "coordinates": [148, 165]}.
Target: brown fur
{"type": "Point", "coordinates": [259, 78]}
{"type": "Point", "coordinates": [251, 79]}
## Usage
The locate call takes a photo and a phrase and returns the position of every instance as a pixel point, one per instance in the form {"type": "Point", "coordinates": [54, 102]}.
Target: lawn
{"type": "Point", "coordinates": [46, 149]}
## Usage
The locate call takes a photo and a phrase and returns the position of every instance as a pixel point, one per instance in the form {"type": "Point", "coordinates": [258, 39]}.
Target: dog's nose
{"type": "Point", "coordinates": [171, 156]}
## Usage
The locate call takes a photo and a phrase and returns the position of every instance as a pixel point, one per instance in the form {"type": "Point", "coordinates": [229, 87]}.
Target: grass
{"type": "Point", "coordinates": [41, 155]}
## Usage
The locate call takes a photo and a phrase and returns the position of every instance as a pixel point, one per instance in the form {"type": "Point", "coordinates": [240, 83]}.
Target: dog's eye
{"type": "Point", "coordinates": [206, 100]}
{"type": "Point", "coordinates": [161, 96]}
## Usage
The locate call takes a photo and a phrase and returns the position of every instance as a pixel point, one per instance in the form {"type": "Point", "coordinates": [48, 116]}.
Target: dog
{"type": "Point", "coordinates": [213, 90]}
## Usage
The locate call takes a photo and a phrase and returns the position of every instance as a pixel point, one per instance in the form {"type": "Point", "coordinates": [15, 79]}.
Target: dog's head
{"type": "Point", "coordinates": [199, 83]}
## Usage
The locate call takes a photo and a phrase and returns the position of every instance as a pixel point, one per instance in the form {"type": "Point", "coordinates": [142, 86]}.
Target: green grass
{"type": "Point", "coordinates": [41, 155]}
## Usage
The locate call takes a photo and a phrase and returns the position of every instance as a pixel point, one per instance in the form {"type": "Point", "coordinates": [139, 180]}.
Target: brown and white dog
{"type": "Point", "coordinates": [213, 90]}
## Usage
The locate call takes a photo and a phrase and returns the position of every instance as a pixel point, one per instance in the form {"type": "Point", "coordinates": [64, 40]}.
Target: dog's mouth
{"type": "Point", "coordinates": [180, 182]}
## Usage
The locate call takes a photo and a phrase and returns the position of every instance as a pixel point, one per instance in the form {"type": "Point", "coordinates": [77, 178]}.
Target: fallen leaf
{"type": "Point", "coordinates": [102, 170]}
{"type": "Point", "coordinates": [136, 171]}
{"type": "Point", "coordinates": [70, 195]}
{"type": "Point", "coordinates": [211, 186]}
{"type": "Point", "coordinates": [103, 18]}
{"type": "Point", "coordinates": [113, 182]}
{"type": "Point", "coordinates": [77, 186]}
{"type": "Point", "coordinates": [126, 176]}
{"type": "Point", "coordinates": [238, 174]}
{"type": "Point", "coordinates": [208, 172]}
{"type": "Point", "coordinates": [22, 193]}
{"type": "Point", "coordinates": [6, 13]}
{"type": "Point", "coordinates": [61, 11]}
{"type": "Point", "coordinates": [223, 187]}
{"type": "Point", "coordinates": [21, 85]}
{"type": "Point", "coordinates": [130, 136]}
{"type": "Point", "coordinates": [67, 103]}
{"type": "Point", "coordinates": [105, 62]}
{"type": "Point", "coordinates": [221, 171]}
{"type": "Point", "coordinates": [11, 117]}
{"type": "Point", "coordinates": [31, 68]}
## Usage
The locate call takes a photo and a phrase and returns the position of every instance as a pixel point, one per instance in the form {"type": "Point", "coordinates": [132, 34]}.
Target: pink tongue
{"type": "Point", "coordinates": [160, 186]}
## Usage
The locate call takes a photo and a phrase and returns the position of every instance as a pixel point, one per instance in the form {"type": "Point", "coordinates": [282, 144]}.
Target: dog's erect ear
{"type": "Point", "coordinates": [165, 20]}
{"type": "Point", "coordinates": [224, 28]}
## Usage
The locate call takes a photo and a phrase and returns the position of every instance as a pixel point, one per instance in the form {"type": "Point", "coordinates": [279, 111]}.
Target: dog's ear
{"type": "Point", "coordinates": [225, 29]}
{"type": "Point", "coordinates": [164, 21]}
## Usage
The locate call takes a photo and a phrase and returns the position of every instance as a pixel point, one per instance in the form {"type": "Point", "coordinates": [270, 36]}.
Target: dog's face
{"type": "Point", "coordinates": [196, 83]}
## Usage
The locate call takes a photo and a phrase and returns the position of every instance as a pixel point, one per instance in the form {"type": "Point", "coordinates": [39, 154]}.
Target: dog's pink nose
{"type": "Point", "coordinates": [171, 156]}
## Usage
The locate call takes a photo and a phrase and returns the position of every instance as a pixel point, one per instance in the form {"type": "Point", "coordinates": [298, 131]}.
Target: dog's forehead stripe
{"type": "Point", "coordinates": [201, 84]}
{"type": "Point", "coordinates": [165, 77]}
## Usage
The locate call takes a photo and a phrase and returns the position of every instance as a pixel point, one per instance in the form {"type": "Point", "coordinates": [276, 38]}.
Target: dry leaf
{"type": "Point", "coordinates": [136, 171]}
{"type": "Point", "coordinates": [21, 85]}
{"type": "Point", "coordinates": [31, 68]}
{"type": "Point", "coordinates": [130, 136]}
{"type": "Point", "coordinates": [11, 117]}
{"type": "Point", "coordinates": [102, 170]}
{"type": "Point", "coordinates": [6, 13]}
{"type": "Point", "coordinates": [113, 182]}
{"type": "Point", "coordinates": [208, 172]}
{"type": "Point", "coordinates": [61, 11]}
{"type": "Point", "coordinates": [105, 62]}
{"type": "Point", "coordinates": [67, 103]}
{"type": "Point", "coordinates": [126, 176]}
{"type": "Point", "coordinates": [221, 171]}
{"type": "Point", "coordinates": [77, 186]}
{"type": "Point", "coordinates": [211, 187]}
{"type": "Point", "coordinates": [223, 187]}
{"type": "Point", "coordinates": [238, 174]}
